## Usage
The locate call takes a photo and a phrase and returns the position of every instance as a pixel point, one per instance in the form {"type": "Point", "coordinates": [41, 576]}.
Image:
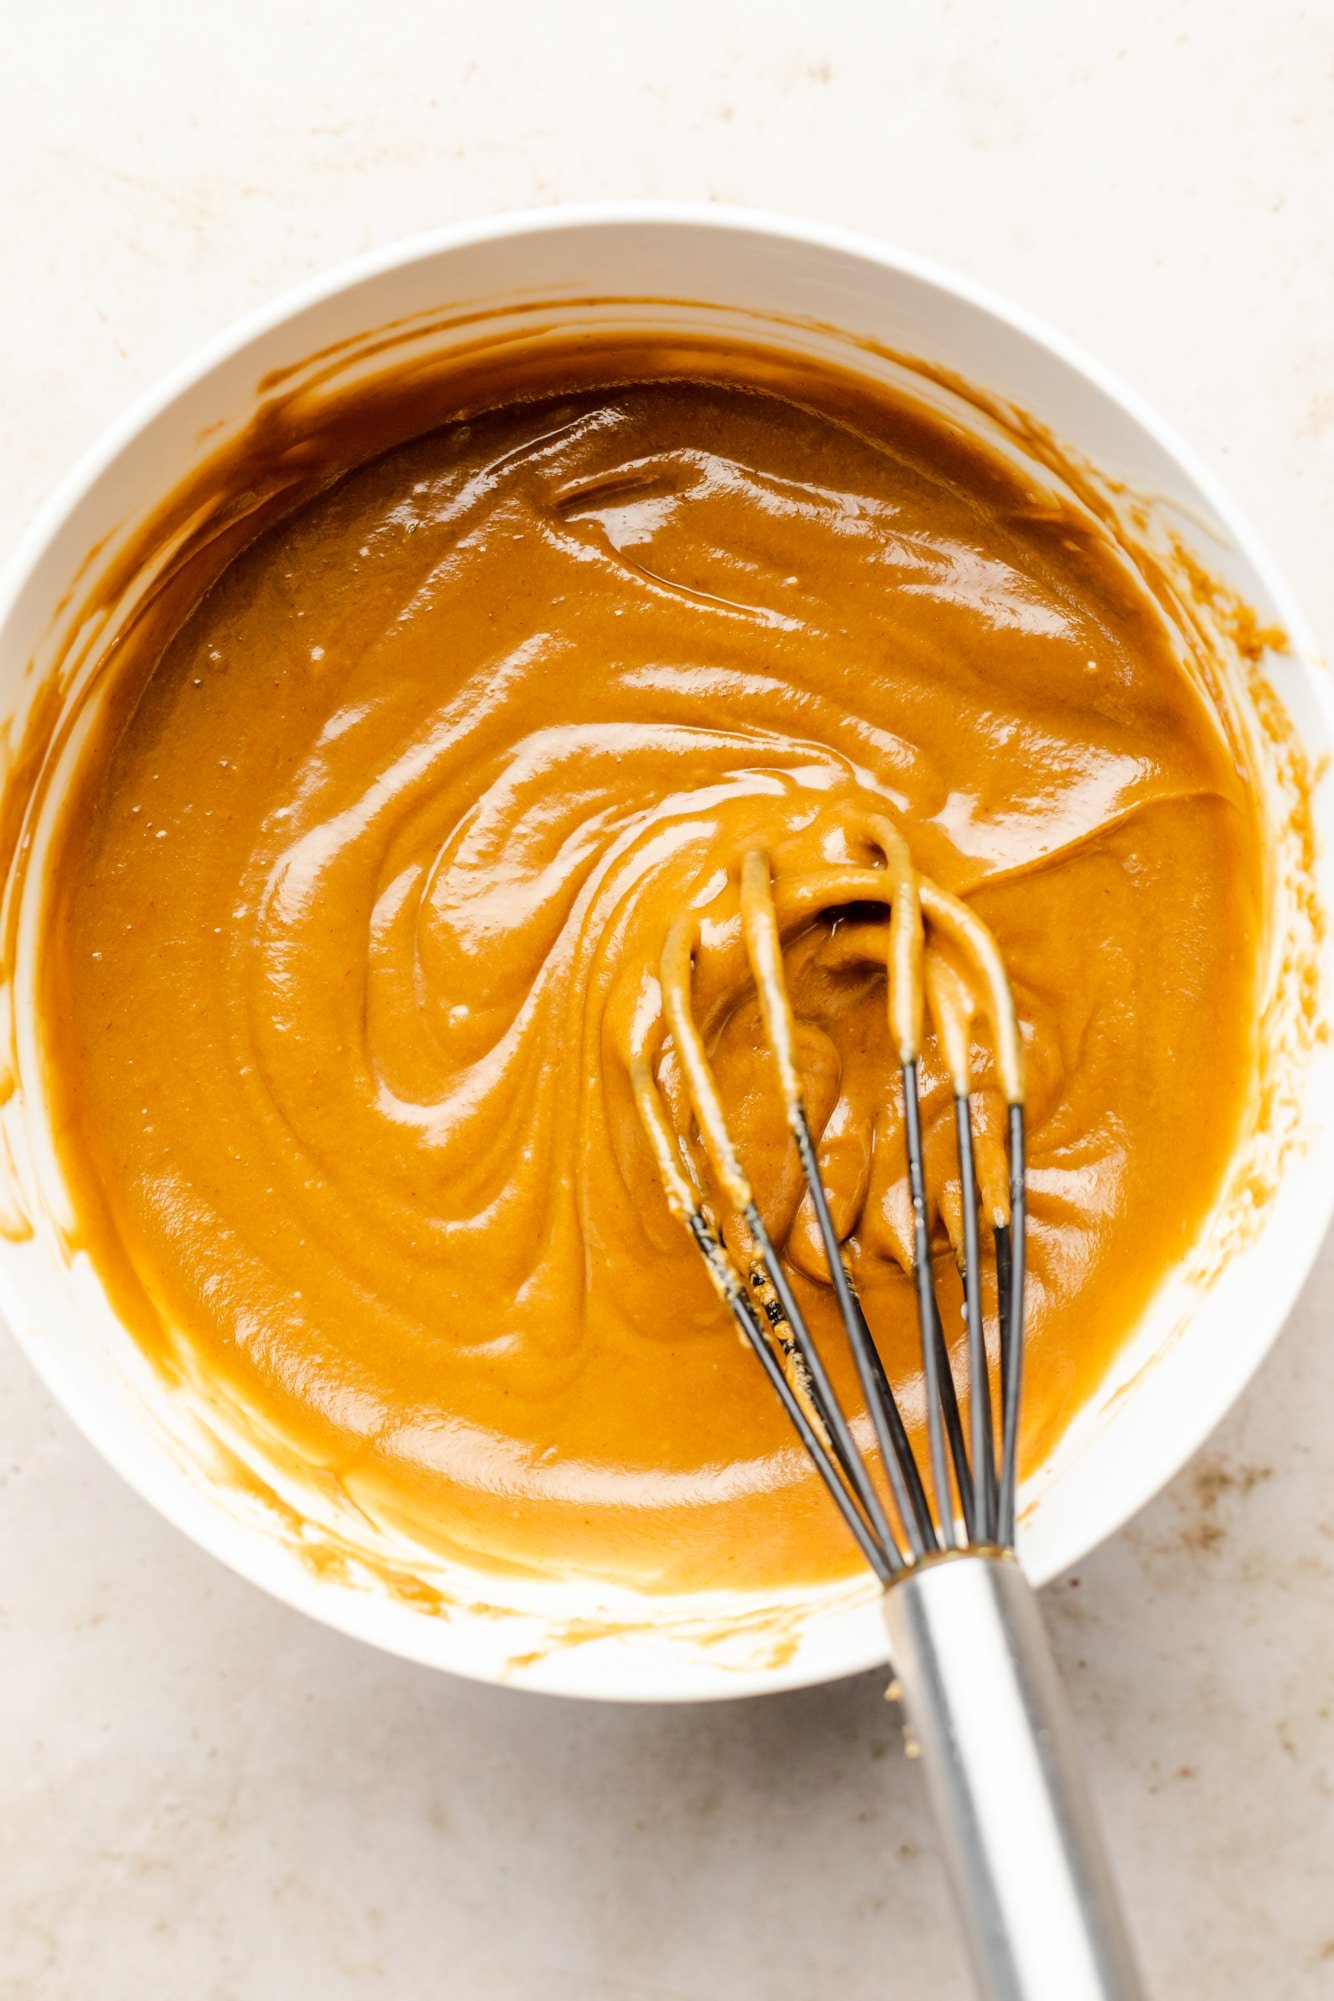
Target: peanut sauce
{"type": "Point", "coordinates": [357, 912]}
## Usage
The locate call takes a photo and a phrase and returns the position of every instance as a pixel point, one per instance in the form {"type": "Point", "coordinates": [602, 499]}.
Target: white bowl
{"type": "Point", "coordinates": [748, 276]}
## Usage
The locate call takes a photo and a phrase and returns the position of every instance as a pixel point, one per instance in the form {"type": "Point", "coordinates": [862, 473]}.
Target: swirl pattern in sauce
{"type": "Point", "coordinates": [360, 909]}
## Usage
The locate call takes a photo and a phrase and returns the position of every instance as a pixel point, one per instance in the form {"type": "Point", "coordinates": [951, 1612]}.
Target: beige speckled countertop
{"type": "Point", "coordinates": [205, 1797]}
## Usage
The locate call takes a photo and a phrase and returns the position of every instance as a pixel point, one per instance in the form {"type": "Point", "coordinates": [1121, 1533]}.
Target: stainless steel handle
{"type": "Point", "coordinates": [985, 1704]}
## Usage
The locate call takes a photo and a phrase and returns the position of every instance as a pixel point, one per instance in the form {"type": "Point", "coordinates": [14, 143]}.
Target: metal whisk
{"type": "Point", "coordinates": [970, 1655]}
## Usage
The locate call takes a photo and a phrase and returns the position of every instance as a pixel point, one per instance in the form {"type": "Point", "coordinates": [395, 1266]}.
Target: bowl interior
{"type": "Point", "coordinates": [537, 279]}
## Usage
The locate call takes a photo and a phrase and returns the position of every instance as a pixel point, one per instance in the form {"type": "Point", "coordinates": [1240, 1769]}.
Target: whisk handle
{"type": "Point", "coordinates": [984, 1702]}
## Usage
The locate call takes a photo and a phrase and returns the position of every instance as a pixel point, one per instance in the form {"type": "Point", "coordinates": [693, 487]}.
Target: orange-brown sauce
{"type": "Point", "coordinates": [357, 907]}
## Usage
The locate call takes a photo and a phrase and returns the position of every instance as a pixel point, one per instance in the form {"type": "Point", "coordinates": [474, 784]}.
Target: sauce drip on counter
{"type": "Point", "coordinates": [357, 915]}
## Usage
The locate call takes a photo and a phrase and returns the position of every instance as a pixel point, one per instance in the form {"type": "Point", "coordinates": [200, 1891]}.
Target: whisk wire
{"type": "Point", "coordinates": [921, 1506]}
{"type": "Point", "coordinates": [935, 1355]}
{"type": "Point", "coordinates": [983, 1467]}
{"type": "Point", "coordinates": [824, 1396]}
{"type": "Point", "coordinates": [885, 1563]}
{"type": "Point", "coordinates": [895, 1451]}
{"type": "Point", "coordinates": [1012, 1332]}
{"type": "Point", "coordinates": [949, 1396]}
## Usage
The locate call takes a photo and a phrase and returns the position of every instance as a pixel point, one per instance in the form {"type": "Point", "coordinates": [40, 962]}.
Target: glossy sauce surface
{"type": "Point", "coordinates": [357, 914]}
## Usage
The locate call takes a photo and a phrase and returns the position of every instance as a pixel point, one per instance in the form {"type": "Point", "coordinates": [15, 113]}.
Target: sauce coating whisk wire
{"type": "Point", "coordinates": [921, 981]}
